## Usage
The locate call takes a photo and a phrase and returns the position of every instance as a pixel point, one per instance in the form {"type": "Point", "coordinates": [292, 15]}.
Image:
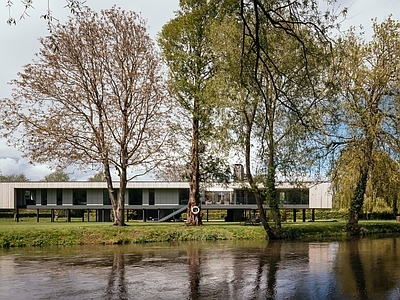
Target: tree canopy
{"type": "Point", "coordinates": [94, 96]}
{"type": "Point", "coordinates": [367, 107]}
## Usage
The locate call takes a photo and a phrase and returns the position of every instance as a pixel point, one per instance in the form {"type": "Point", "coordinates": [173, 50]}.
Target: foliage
{"type": "Point", "coordinates": [383, 185]}
{"type": "Point", "coordinates": [57, 176]}
{"type": "Point", "coordinates": [98, 177]}
{"type": "Point", "coordinates": [367, 112]}
{"type": "Point", "coordinates": [186, 46]}
{"type": "Point", "coordinates": [273, 78]}
{"type": "Point", "coordinates": [14, 177]}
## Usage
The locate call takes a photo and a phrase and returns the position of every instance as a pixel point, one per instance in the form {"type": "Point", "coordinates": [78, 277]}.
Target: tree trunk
{"type": "Point", "coordinates": [357, 200]}
{"type": "Point", "coordinates": [117, 201]}
{"type": "Point", "coordinates": [119, 219]}
{"type": "Point", "coordinates": [356, 204]}
{"type": "Point", "coordinates": [194, 207]}
{"type": "Point", "coordinates": [256, 191]}
{"type": "Point", "coordinates": [271, 196]}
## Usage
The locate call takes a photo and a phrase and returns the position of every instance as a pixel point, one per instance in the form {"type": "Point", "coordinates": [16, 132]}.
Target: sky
{"type": "Point", "coordinates": [19, 43]}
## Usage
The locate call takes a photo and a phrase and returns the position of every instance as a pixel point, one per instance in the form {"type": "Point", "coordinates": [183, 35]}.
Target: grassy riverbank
{"type": "Point", "coordinates": [44, 233]}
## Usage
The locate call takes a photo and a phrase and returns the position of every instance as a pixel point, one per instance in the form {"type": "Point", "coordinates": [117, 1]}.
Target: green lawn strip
{"type": "Point", "coordinates": [29, 233]}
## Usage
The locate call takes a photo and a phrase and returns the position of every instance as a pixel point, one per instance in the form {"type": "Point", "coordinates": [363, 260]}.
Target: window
{"type": "Point", "coordinates": [30, 197]}
{"type": "Point", "coordinates": [59, 196]}
{"type": "Point", "coordinates": [294, 196]}
{"type": "Point", "coordinates": [151, 197]}
{"type": "Point", "coordinates": [43, 200]}
{"type": "Point", "coordinates": [135, 197]}
{"type": "Point", "coordinates": [183, 196]}
{"type": "Point", "coordinates": [79, 197]}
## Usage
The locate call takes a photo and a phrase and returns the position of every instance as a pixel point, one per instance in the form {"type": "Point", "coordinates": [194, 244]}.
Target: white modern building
{"type": "Point", "coordinates": [162, 201]}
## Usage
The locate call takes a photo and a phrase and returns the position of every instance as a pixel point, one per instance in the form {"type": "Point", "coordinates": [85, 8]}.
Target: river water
{"type": "Point", "coordinates": [351, 269]}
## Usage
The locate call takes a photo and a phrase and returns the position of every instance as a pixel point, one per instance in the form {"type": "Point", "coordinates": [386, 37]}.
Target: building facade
{"type": "Point", "coordinates": [153, 200]}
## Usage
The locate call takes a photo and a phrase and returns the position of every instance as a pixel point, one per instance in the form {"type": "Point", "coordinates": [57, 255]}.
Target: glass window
{"type": "Point", "coordinates": [135, 197]}
{"type": "Point", "coordinates": [79, 197]}
{"type": "Point", "coordinates": [183, 196]}
{"type": "Point", "coordinates": [43, 199]}
{"type": "Point", "coordinates": [30, 197]}
{"type": "Point", "coordinates": [151, 197]}
{"type": "Point", "coordinates": [59, 196]}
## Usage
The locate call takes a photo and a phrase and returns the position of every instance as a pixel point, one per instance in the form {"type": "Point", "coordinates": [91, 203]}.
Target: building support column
{"type": "Point", "coordinates": [88, 214]}
{"type": "Point", "coordinates": [207, 215]}
{"type": "Point", "coordinates": [37, 215]}
{"type": "Point", "coordinates": [52, 215]}
{"type": "Point", "coordinates": [144, 215]}
{"type": "Point", "coordinates": [294, 215]}
{"type": "Point", "coordinates": [68, 215]}
{"type": "Point", "coordinates": [304, 214]}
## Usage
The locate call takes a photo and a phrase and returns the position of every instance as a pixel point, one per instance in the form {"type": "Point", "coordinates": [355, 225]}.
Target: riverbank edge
{"type": "Point", "coordinates": [64, 234]}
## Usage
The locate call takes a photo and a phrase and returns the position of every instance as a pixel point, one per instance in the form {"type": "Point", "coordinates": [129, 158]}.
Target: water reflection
{"type": "Point", "coordinates": [116, 287]}
{"type": "Point", "coordinates": [354, 269]}
{"type": "Point", "coordinates": [357, 269]}
{"type": "Point", "coordinates": [193, 254]}
{"type": "Point", "coordinates": [369, 269]}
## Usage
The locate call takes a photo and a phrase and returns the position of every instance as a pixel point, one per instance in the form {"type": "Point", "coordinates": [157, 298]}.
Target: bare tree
{"type": "Point", "coordinates": [94, 95]}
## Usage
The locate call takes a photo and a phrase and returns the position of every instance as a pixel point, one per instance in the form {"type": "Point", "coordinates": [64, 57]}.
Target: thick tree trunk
{"type": "Point", "coordinates": [356, 204]}
{"type": "Point", "coordinates": [194, 207]}
{"type": "Point", "coordinates": [117, 201]}
{"type": "Point", "coordinates": [357, 200]}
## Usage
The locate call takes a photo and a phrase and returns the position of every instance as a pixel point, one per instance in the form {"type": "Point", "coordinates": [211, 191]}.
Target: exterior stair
{"type": "Point", "coordinates": [167, 217]}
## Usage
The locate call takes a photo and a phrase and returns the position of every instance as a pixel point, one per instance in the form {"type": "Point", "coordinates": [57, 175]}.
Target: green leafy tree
{"type": "Point", "coordinates": [369, 106]}
{"type": "Point", "coordinates": [98, 177]}
{"type": "Point", "coordinates": [97, 98]}
{"type": "Point", "coordinates": [58, 175]}
{"type": "Point", "coordinates": [186, 46]}
{"type": "Point", "coordinates": [382, 192]}
{"type": "Point", "coordinates": [14, 178]}
{"type": "Point", "coordinates": [276, 58]}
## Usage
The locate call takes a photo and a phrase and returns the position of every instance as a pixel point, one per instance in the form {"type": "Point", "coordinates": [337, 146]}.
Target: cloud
{"type": "Point", "coordinates": [15, 166]}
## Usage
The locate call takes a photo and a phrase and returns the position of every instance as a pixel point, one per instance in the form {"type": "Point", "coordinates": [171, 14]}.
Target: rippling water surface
{"type": "Point", "coordinates": [356, 269]}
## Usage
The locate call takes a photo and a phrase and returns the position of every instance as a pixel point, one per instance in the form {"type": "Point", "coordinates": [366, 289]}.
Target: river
{"type": "Point", "coordinates": [352, 269]}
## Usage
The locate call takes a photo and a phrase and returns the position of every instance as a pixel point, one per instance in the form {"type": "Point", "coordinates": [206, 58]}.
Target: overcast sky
{"type": "Point", "coordinates": [18, 44]}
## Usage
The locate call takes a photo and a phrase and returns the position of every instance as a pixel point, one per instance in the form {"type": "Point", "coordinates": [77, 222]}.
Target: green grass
{"type": "Point", "coordinates": [28, 232]}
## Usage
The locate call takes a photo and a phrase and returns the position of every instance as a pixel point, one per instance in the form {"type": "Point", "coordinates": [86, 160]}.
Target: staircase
{"type": "Point", "coordinates": [167, 217]}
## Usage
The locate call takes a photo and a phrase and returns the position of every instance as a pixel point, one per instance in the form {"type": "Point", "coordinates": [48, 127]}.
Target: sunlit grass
{"type": "Point", "coordinates": [29, 232]}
